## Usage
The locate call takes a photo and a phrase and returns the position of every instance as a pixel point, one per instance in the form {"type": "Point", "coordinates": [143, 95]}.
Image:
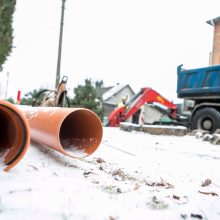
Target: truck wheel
{"type": "Point", "coordinates": [206, 119]}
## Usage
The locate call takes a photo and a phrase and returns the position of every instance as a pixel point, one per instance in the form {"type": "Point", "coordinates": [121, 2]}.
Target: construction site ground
{"type": "Point", "coordinates": [132, 175]}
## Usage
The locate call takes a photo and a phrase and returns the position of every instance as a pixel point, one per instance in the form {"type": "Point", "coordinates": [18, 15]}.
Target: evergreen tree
{"type": "Point", "coordinates": [86, 97]}
{"type": "Point", "coordinates": [99, 84]}
{"type": "Point", "coordinates": [29, 97]}
{"type": "Point", "coordinates": [7, 8]}
{"type": "Point", "coordinates": [11, 100]}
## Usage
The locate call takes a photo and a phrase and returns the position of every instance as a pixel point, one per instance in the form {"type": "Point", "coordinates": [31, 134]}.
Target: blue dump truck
{"type": "Point", "coordinates": [200, 89]}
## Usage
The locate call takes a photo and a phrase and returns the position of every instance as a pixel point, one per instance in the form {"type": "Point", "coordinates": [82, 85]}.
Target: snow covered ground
{"type": "Point", "coordinates": [132, 175]}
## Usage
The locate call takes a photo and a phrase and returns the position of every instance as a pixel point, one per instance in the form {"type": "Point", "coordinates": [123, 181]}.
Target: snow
{"type": "Point", "coordinates": [132, 175]}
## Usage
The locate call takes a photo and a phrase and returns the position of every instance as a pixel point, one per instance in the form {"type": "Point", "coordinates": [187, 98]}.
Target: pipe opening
{"type": "Point", "coordinates": [81, 133]}
{"type": "Point", "coordinates": [12, 135]}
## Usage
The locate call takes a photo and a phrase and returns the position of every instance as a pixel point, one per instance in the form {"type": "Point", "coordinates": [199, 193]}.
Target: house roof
{"type": "Point", "coordinates": [100, 91]}
{"type": "Point", "coordinates": [114, 90]}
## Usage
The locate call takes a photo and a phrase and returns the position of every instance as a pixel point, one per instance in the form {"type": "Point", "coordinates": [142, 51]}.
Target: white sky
{"type": "Point", "coordinates": [139, 42]}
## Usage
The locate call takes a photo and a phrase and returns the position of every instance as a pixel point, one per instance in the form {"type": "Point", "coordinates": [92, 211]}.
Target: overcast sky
{"type": "Point", "coordinates": [136, 42]}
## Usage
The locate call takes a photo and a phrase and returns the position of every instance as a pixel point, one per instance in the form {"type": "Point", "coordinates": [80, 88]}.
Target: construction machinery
{"type": "Point", "coordinates": [133, 107]}
{"type": "Point", "coordinates": [200, 89]}
{"type": "Point", "coordinates": [53, 98]}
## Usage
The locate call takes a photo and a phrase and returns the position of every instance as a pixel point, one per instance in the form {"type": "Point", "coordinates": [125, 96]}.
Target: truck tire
{"type": "Point", "coordinates": [206, 119]}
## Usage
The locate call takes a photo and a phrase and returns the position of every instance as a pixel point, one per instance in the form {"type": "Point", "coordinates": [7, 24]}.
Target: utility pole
{"type": "Point", "coordinates": [60, 44]}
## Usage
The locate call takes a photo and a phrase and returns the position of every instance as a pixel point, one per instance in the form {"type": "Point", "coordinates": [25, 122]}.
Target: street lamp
{"type": "Point", "coordinates": [60, 44]}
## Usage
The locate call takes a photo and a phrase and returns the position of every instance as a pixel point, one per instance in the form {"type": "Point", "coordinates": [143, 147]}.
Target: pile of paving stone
{"type": "Point", "coordinates": [206, 136]}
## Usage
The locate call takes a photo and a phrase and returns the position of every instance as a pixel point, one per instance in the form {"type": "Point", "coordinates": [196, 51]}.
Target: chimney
{"type": "Point", "coordinates": [215, 54]}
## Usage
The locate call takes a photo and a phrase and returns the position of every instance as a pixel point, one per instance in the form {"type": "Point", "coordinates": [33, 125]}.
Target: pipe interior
{"type": "Point", "coordinates": [81, 133]}
{"type": "Point", "coordinates": [12, 135]}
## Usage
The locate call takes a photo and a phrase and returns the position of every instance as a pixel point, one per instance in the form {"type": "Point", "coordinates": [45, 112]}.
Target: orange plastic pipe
{"type": "Point", "coordinates": [75, 132]}
{"type": "Point", "coordinates": [14, 135]}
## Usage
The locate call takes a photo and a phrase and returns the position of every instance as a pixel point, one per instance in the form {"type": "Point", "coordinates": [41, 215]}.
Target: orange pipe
{"type": "Point", "coordinates": [14, 135]}
{"type": "Point", "coordinates": [75, 132]}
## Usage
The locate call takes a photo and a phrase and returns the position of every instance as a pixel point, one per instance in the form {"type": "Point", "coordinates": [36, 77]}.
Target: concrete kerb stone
{"type": "Point", "coordinates": [165, 130]}
{"type": "Point", "coordinates": [198, 132]}
{"type": "Point", "coordinates": [127, 126]}
{"type": "Point", "coordinates": [155, 129]}
{"type": "Point", "coordinates": [172, 130]}
{"type": "Point", "coordinates": [208, 137]}
{"type": "Point", "coordinates": [215, 139]}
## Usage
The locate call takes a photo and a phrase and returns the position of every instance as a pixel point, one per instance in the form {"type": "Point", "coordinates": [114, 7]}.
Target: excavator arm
{"type": "Point", "coordinates": [146, 95]}
{"type": "Point", "coordinates": [117, 116]}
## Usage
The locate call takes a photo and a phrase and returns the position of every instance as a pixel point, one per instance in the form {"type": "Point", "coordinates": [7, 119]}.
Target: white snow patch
{"type": "Point", "coordinates": [132, 175]}
{"type": "Point", "coordinates": [77, 146]}
{"type": "Point", "coordinates": [3, 154]}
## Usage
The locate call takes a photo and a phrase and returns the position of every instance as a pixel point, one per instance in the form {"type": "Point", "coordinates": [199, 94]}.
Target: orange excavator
{"type": "Point", "coordinates": [53, 98]}
{"type": "Point", "coordinates": [146, 95]}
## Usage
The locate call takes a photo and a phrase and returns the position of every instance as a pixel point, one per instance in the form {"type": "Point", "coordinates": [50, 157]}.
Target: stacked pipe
{"type": "Point", "coordinates": [74, 132]}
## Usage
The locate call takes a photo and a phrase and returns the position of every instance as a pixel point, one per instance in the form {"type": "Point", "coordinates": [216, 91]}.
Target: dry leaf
{"type": "Point", "coordinates": [162, 183]}
{"type": "Point", "coordinates": [112, 218]}
{"type": "Point", "coordinates": [34, 168]}
{"type": "Point", "coordinates": [206, 182]}
{"type": "Point", "coordinates": [100, 160]}
{"type": "Point", "coordinates": [196, 216]}
{"type": "Point", "coordinates": [137, 186]}
{"type": "Point", "coordinates": [209, 193]}
{"type": "Point", "coordinates": [176, 197]}
{"type": "Point", "coordinates": [89, 172]}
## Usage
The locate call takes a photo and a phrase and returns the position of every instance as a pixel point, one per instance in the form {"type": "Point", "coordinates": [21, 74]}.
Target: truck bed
{"type": "Point", "coordinates": [198, 83]}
